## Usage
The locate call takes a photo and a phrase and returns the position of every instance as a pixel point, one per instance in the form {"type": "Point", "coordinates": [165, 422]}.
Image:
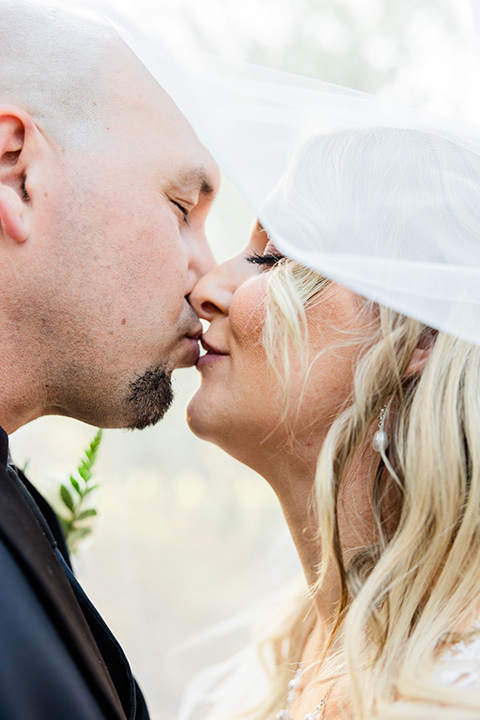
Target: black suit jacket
{"type": "Point", "coordinates": [58, 659]}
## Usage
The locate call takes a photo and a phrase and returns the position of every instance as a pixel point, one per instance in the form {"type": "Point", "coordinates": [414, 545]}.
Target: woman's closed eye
{"type": "Point", "coordinates": [268, 260]}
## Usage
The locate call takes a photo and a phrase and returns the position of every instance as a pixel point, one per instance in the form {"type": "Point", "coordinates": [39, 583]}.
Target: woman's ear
{"type": "Point", "coordinates": [417, 361]}
{"type": "Point", "coordinates": [421, 353]}
{"type": "Point", "coordinates": [16, 130]}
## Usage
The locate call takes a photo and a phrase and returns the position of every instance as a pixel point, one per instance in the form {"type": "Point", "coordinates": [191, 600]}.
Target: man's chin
{"type": "Point", "coordinates": [151, 395]}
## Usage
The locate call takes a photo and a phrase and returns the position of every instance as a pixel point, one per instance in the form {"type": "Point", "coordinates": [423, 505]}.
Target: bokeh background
{"type": "Point", "coordinates": [186, 537]}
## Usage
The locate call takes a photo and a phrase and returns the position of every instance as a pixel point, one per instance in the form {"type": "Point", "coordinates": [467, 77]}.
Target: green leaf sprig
{"type": "Point", "coordinates": [76, 520]}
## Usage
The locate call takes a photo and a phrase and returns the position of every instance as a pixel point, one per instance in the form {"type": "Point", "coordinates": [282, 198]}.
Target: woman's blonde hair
{"type": "Point", "coordinates": [405, 598]}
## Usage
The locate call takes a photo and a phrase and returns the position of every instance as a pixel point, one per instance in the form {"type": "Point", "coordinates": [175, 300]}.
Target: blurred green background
{"type": "Point", "coordinates": [185, 534]}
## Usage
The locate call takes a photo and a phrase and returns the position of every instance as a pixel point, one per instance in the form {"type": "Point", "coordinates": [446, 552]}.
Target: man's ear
{"type": "Point", "coordinates": [17, 130]}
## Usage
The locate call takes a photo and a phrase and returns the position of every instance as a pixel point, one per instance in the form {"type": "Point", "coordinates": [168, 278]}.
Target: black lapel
{"type": "Point", "coordinates": [23, 534]}
{"type": "Point", "coordinates": [49, 515]}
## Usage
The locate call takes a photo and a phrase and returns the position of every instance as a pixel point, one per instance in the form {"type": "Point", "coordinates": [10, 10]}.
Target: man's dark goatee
{"type": "Point", "coordinates": [150, 397]}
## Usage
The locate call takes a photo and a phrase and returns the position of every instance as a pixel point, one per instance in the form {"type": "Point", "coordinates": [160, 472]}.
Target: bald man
{"type": "Point", "coordinates": [104, 191]}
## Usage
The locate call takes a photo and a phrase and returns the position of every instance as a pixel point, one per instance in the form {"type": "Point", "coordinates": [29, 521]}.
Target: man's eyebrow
{"type": "Point", "coordinates": [197, 178]}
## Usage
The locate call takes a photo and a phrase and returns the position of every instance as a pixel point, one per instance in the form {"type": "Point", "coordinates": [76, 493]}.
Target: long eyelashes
{"type": "Point", "coordinates": [268, 260]}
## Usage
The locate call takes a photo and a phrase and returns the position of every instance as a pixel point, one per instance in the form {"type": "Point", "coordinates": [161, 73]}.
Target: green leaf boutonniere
{"type": "Point", "coordinates": [76, 518]}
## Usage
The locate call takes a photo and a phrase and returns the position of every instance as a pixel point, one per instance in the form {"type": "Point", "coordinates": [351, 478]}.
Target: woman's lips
{"type": "Point", "coordinates": [212, 354]}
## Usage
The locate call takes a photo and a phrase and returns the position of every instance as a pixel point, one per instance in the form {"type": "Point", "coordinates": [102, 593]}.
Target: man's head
{"type": "Point", "coordinates": [104, 190]}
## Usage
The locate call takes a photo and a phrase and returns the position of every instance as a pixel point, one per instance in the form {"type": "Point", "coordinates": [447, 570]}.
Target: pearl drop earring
{"type": "Point", "coordinates": [380, 439]}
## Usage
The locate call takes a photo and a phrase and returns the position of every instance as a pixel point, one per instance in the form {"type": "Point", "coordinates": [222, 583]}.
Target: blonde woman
{"type": "Point", "coordinates": [366, 424]}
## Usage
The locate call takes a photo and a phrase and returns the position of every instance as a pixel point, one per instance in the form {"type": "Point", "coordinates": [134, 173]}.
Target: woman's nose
{"type": "Point", "coordinates": [213, 293]}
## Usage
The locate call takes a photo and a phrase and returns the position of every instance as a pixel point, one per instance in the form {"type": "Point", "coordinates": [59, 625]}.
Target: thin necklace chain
{"type": "Point", "coordinates": [293, 686]}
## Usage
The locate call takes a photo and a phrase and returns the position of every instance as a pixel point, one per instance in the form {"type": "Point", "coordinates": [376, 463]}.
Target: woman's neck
{"type": "Point", "coordinates": [294, 485]}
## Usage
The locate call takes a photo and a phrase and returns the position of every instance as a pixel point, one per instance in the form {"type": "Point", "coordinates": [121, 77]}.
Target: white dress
{"type": "Point", "coordinates": [462, 663]}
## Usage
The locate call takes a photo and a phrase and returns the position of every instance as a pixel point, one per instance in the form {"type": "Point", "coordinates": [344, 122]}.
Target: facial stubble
{"type": "Point", "coordinates": [150, 397]}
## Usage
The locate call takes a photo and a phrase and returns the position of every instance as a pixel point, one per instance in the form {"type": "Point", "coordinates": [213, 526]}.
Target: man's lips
{"type": "Point", "coordinates": [196, 334]}
{"type": "Point", "coordinates": [190, 353]}
{"type": "Point", "coordinates": [193, 351]}
{"type": "Point", "coordinates": [212, 353]}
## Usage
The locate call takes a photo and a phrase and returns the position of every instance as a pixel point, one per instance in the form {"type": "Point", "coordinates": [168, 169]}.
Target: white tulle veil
{"type": "Point", "coordinates": [382, 198]}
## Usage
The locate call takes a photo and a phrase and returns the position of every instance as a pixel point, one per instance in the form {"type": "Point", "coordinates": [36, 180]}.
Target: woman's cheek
{"type": "Point", "coordinates": [247, 313]}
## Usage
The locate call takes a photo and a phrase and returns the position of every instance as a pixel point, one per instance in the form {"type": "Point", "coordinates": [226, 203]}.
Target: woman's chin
{"type": "Point", "coordinates": [211, 419]}
{"type": "Point", "coordinates": [199, 417]}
